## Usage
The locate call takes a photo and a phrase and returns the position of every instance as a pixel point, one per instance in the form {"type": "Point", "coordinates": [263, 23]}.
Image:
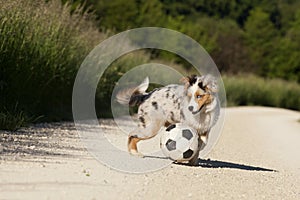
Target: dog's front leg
{"type": "Point", "coordinates": [195, 160]}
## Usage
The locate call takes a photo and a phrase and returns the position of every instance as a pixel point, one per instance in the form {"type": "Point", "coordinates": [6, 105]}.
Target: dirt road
{"type": "Point", "coordinates": [257, 157]}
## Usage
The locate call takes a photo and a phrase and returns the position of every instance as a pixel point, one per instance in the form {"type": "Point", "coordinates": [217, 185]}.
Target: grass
{"type": "Point", "coordinates": [253, 90]}
{"type": "Point", "coordinates": [15, 118]}
{"type": "Point", "coordinates": [41, 47]}
{"type": "Point", "coordinates": [11, 121]}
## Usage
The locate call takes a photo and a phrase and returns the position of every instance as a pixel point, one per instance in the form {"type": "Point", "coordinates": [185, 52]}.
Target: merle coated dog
{"type": "Point", "coordinates": [195, 103]}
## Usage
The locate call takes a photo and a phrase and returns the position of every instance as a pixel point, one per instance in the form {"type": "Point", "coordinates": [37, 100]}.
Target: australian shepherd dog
{"type": "Point", "coordinates": [194, 103]}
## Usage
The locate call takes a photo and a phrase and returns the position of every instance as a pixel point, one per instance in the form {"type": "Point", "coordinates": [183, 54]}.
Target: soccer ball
{"type": "Point", "coordinates": [179, 142]}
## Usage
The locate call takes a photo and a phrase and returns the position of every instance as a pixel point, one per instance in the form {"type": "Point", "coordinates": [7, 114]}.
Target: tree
{"type": "Point", "coordinates": [261, 36]}
{"type": "Point", "coordinates": [117, 15]}
{"type": "Point", "coordinates": [286, 62]}
{"type": "Point", "coordinates": [150, 13]}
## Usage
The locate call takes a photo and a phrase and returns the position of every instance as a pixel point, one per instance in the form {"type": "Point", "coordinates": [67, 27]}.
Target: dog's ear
{"type": "Point", "coordinates": [192, 79]}
{"type": "Point", "coordinates": [210, 83]}
{"type": "Point", "coordinates": [212, 86]}
{"type": "Point", "coordinates": [189, 80]}
{"type": "Point", "coordinates": [185, 81]}
{"type": "Point", "coordinates": [200, 84]}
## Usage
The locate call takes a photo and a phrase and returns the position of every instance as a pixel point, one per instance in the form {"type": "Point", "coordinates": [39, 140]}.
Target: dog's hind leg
{"type": "Point", "coordinates": [138, 135]}
{"type": "Point", "coordinates": [143, 133]}
{"type": "Point", "coordinates": [134, 138]}
{"type": "Point", "coordinates": [132, 145]}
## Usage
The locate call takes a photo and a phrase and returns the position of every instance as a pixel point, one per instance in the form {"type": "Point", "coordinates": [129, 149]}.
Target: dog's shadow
{"type": "Point", "coordinates": [208, 163]}
{"type": "Point", "coordinates": [222, 164]}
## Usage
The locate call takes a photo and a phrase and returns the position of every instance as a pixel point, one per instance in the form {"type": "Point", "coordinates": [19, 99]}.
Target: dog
{"type": "Point", "coordinates": [194, 103]}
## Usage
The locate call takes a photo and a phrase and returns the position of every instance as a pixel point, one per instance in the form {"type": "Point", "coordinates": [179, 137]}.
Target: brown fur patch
{"type": "Point", "coordinates": [167, 124]}
{"type": "Point", "coordinates": [204, 99]}
{"type": "Point", "coordinates": [132, 143]}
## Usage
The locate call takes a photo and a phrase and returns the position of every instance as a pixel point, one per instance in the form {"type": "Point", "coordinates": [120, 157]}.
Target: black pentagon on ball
{"type": "Point", "coordinates": [186, 133]}
{"type": "Point", "coordinates": [188, 154]}
{"type": "Point", "coordinates": [171, 127]}
{"type": "Point", "coordinates": [171, 145]}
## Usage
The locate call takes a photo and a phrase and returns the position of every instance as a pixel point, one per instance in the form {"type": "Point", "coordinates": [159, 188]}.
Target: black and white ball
{"type": "Point", "coordinates": [179, 142]}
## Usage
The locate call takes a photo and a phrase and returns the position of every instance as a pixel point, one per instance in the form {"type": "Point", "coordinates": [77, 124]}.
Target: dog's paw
{"type": "Point", "coordinates": [136, 153]}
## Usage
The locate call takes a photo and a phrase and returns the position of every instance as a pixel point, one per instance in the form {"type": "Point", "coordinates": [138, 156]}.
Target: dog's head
{"type": "Point", "coordinates": [200, 91]}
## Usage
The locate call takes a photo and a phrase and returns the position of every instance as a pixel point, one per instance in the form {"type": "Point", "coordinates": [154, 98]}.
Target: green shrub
{"type": "Point", "coordinates": [253, 90]}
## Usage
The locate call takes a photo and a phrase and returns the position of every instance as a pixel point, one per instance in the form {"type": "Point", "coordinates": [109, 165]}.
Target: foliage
{"type": "Point", "coordinates": [12, 120]}
{"type": "Point", "coordinates": [41, 47]}
{"type": "Point", "coordinates": [260, 35]}
{"type": "Point", "coordinates": [257, 36]}
{"type": "Point", "coordinates": [252, 90]}
{"type": "Point", "coordinates": [42, 44]}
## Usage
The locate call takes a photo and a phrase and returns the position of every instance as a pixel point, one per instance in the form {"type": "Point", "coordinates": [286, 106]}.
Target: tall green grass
{"type": "Point", "coordinates": [12, 120]}
{"type": "Point", "coordinates": [253, 90]}
{"type": "Point", "coordinates": [41, 47]}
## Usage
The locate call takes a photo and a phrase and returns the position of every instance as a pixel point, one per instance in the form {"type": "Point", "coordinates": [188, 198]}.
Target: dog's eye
{"type": "Point", "coordinates": [199, 96]}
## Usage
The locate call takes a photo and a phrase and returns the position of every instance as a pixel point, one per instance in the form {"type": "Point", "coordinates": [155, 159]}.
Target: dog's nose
{"type": "Point", "coordinates": [191, 108]}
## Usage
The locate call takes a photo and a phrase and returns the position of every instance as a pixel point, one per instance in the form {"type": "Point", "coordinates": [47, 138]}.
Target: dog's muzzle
{"type": "Point", "coordinates": [197, 111]}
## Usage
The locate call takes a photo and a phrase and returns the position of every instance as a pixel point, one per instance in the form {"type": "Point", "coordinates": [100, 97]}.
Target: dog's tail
{"type": "Point", "coordinates": [133, 96]}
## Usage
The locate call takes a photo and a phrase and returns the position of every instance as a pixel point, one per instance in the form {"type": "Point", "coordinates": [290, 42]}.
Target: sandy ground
{"type": "Point", "coordinates": [257, 157]}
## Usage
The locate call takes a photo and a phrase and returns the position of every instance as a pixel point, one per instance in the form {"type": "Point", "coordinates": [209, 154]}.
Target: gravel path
{"type": "Point", "coordinates": [257, 157]}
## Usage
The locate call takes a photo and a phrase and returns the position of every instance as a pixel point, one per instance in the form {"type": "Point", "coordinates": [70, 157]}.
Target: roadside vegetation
{"type": "Point", "coordinates": [255, 44]}
{"type": "Point", "coordinates": [41, 47]}
{"type": "Point", "coordinates": [254, 90]}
